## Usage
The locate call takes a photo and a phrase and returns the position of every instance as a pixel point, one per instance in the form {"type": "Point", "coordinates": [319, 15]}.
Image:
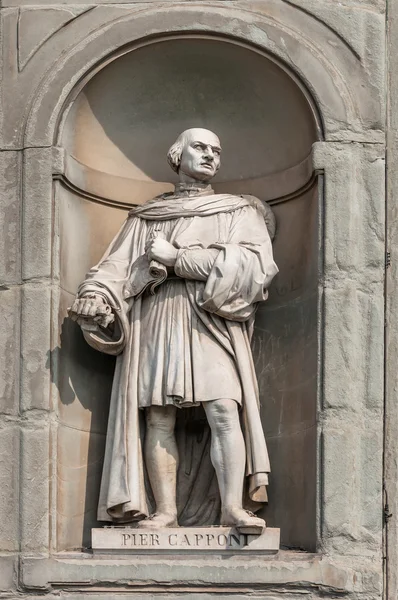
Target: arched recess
{"type": "Point", "coordinates": [328, 67]}
{"type": "Point", "coordinates": [114, 140]}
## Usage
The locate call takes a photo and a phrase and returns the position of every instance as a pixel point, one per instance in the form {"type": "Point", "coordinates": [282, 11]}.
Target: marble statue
{"type": "Point", "coordinates": [174, 298]}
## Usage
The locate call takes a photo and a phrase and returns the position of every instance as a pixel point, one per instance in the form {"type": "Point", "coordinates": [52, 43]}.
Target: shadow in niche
{"type": "Point", "coordinates": [157, 95]}
{"type": "Point", "coordinates": [81, 373]}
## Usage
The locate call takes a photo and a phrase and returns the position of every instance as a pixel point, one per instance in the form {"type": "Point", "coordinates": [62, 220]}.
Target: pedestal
{"type": "Point", "coordinates": [178, 540]}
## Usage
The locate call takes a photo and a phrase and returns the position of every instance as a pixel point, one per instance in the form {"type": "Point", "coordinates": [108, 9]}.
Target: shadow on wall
{"type": "Point", "coordinates": [84, 381]}
{"type": "Point", "coordinates": [84, 376]}
{"type": "Point", "coordinates": [130, 113]}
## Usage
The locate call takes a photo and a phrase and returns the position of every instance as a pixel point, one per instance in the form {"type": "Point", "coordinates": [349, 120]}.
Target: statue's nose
{"type": "Point", "coordinates": [209, 155]}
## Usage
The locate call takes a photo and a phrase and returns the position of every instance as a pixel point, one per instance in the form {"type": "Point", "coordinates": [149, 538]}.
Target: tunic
{"type": "Point", "coordinates": [187, 366]}
{"type": "Point", "coordinates": [188, 343]}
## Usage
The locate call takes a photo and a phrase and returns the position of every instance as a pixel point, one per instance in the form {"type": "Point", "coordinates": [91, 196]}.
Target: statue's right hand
{"type": "Point", "coordinates": [91, 311]}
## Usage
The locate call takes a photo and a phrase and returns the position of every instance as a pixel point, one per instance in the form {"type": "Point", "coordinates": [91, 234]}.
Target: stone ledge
{"type": "Point", "coordinates": [295, 571]}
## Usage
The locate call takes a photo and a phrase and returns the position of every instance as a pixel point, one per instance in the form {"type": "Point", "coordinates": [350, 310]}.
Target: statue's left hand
{"type": "Point", "coordinates": [162, 251]}
{"type": "Point", "coordinates": [91, 311]}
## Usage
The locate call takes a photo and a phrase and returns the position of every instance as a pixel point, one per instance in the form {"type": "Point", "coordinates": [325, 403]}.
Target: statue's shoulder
{"type": "Point", "coordinates": [265, 211]}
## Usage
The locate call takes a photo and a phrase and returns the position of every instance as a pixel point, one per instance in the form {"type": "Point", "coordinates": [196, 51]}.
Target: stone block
{"type": "Point", "coordinates": [352, 21]}
{"type": "Point", "coordinates": [34, 39]}
{"type": "Point", "coordinates": [184, 595]}
{"type": "Point", "coordinates": [352, 489]}
{"type": "Point", "coordinates": [36, 345]}
{"type": "Point", "coordinates": [289, 571]}
{"type": "Point", "coordinates": [37, 213]}
{"type": "Point", "coordinates": [8, 574]}
{"type": "Point", "coordinates": [340, 483]}
{"type": "Point", "coordinates": [37, 25]}
{"type": "Point", "coordinates": [172, 541]}
{"type": "Point", "coordinates": [391, 420]}
{"type": "Point", "coordinates": [9, 490]}
{"type": "Point", "coordinates": [10, 206]}
{"type": "Point", "coordinates": [371, 487]}
{"type": "Point", "coordinates": [9, 350]}
{"type": "Point", "coordinates": [181, 594]}
{"type": "Point", "coordinates": [353, 350]}
{"type": "Point", "coordinates": [35, 488]}
{"type": "Point", "coordinates": [354, 210]}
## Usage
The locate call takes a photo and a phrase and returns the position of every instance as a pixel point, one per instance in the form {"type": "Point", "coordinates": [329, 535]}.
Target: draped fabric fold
{"type": "Point", "coordinates": [205, 309]}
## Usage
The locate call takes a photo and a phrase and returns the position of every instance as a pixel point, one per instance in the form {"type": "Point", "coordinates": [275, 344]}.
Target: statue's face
{"type": "Point", "coordinates": [200, 158]}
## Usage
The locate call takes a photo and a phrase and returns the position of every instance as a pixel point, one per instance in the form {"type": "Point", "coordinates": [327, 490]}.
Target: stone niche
{"type": "Point", "coordinates": [115, 138]}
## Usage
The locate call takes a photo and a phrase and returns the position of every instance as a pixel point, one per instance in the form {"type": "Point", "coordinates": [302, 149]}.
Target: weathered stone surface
{"type": "Point", "coordinates": [354, 211]}
{"type": "Point", "coordinates": [288, 570]}
{"type": "Point", "coordinates": [353, 354]}
{"type": "Point", "coordinates": [36, 344]}
{"type": "Point", "coordinates": [351, 21]}
{"type": "Point", "coordinates": [9, 493]}
{"type": "Point", "coordinates": [35, 488]}
{"type": "Point", "coordinates": [36, 26]}
{"type": "Point", "coordinates": [10, 204]}
{"type": "Point", "coordinates": [37, 215]}
{"type": "Point", "coordinates": [182, 594]}
{"type": "Point", "coordinates": [391, 422]}
{"type": "Point", "coordinates": [352, 527]}
{"type": "Point", "coordinates": [8, 573]}
{"type": "Point", "coordinates": [9, 350]}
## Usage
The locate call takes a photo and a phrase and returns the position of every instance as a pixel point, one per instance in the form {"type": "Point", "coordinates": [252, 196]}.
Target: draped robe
{"type": "Point", "coordinates": [224, 266]}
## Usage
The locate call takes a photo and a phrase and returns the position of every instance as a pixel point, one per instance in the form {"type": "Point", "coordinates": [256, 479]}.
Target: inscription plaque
{"type": "Point", "coordinates": [181, 539]}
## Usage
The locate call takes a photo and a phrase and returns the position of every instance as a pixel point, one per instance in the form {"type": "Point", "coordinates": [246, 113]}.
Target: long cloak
{"type": "Point", "coordinates": [236, 267]}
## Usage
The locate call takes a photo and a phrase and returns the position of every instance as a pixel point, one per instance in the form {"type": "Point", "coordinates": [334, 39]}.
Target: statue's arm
{"type": "Point", "coordinates": [243, 269]}
{"type": "Point", "coordinates": [195, 263]}
{"type": "Point", "coordinates": [248, 232]}
{"type": "Point", "coordinates": [100, 306]}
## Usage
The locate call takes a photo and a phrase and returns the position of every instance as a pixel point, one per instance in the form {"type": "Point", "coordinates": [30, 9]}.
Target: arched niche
{"type": "Point", "coordinates": [115, 138]}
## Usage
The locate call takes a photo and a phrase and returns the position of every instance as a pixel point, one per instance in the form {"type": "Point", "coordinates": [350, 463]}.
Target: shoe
{"type": "Point", "coordinates": [158, 521]}
{"type": "Point", "coordinates": [243, 520]}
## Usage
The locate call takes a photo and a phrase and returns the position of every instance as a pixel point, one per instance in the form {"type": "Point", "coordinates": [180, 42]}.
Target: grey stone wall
{"type": "Point", "coordinates": [336, 51]}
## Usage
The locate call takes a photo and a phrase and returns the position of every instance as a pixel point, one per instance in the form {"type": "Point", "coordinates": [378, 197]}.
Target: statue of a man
{"type": "Point", "coordinates": [185, 343]}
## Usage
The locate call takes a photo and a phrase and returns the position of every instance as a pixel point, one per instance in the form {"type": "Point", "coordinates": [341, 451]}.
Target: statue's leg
{"type": "Point", "coordinates": [228, 455]}
{"type": "Point", "coordinates": [161, 459]}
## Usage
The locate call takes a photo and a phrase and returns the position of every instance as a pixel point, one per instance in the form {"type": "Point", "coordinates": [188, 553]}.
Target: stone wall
{"type": "Point", "coordinates": [335, 53]}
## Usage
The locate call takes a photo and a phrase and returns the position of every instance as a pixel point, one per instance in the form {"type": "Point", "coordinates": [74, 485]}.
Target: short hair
{"type": "Point", "coordinates": [175, 152]}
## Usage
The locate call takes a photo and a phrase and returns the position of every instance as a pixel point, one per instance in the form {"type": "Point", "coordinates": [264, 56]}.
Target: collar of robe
{"type": "Point", "coordinates": [187, 190]}
{"type": "Point", "coordinates": [170, 206]}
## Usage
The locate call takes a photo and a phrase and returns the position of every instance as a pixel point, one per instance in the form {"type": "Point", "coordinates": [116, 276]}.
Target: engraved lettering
{"type": "Point", "coordinates": [185, 540]}
{"type": "Point", "coordinates": [144, 539]}
{"type": "Point", "coordinates": [209, 538]}
{"type": "Point", "coordinates": [173, 536]}
{"type": "Point", "coordinates": [154, 539]}
{"type": "Point", "coordinates": [125, 537]}
{"type": "Point", "coordinates": [198, 538]}
{"type": "Point", "coordinates": [234, 540]}
{"type": "Point", "coordinates": [222, 539]}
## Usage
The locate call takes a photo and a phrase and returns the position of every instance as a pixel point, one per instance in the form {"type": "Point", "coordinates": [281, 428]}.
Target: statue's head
{"type": "Point", "coordinates": [195, 154]}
